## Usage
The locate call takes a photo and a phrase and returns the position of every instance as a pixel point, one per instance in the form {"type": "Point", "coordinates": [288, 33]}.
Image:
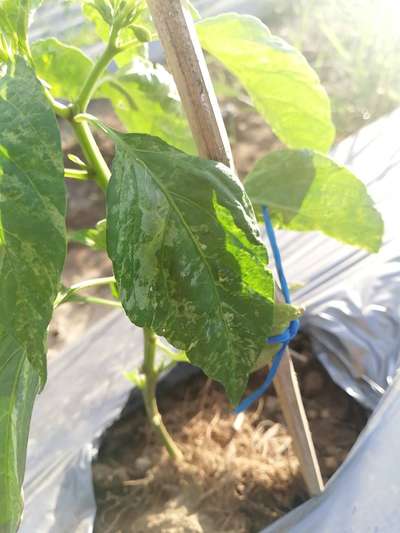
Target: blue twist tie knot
{"type": "Point", "coordinates": [283, 338]}
{"type": "Point", "coordinates": [287, 335]}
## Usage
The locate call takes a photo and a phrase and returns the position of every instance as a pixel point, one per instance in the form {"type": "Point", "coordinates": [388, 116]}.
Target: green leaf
{"type": "Point", "coordinates": [284, 88]}
{"type": "Point", "coordinates": [94, 238]}
{"type": "Point", "coordinates": [14, 18]}
{"type": "Point", "coordinates": [19, 384]}
{"type": "Point", "coordinates": [125, 35]}
{"type": "Point", "coordinates": [65, 68]}
{"type": "Point", "coordinates": [146, 101]}
{"type": "Point", "coordinates": [32, 251]}
{"type": "Point", "coordinates": [307, 191]}
{"type": "Point", "coordinates": [14, 21]}
{"type": "Point", "coordinates": [187, 256]}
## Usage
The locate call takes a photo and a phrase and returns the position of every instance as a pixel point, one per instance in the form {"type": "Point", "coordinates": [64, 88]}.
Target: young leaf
{"type": "Point", "coordinates": [283, 86]}
{"type": "Point", "coordinates": [125, 35]}
{"type": "Point", "coordinates": [65, 68]}
{"type": "Point", "coordinates": [94, 238]}
{"type": "Point", "coordinates": [187, 256]}
{"type": "Point", "coordinates": [307, 191]}
{"type": "Point", "coordinates": [32, 251]}
{"type": "Point", "coordinates": [146, 101]}
{"type": "Point", "coordinates": [14, 21]}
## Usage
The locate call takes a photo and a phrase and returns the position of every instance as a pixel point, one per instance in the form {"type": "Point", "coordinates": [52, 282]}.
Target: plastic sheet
{"type": "Point", "coordinates": [363, 495]}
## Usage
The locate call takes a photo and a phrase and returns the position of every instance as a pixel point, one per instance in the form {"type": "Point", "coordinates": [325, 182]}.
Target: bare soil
{"type": "Point", "coordinates": [232, 479]}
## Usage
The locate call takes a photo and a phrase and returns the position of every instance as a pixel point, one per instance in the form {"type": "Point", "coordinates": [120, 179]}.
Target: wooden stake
{"type": "Point", "coordinates": [187, 64]}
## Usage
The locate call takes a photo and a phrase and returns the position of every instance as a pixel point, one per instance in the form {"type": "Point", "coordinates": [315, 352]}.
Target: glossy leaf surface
{"type": "Point", "coordinates": [32, 251]}
{"type": "Point", "coordinates": [187, 256]}
{"type": "Point", "coordinates": [284, 88]}
{"type": "Point", "coordinates": [308, 191]}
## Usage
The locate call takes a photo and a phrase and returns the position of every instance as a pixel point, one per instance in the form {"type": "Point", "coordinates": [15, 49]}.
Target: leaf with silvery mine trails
{"type": "Point", "coordinates": [187, 256]}
{"type": "Point", "coordinates": [284, 88]}
{"type": "Point", "coordinates": [309, 191]}
{"type": "Point", "coordinates": [32, 252]}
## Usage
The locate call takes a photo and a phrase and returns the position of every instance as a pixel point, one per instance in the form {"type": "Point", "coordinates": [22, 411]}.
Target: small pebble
{"type": "Point", "coordinates": [141, 465]}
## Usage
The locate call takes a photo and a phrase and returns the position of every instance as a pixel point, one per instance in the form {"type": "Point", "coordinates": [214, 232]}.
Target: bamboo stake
{"type": "Point", "coordinates": [187, 64]}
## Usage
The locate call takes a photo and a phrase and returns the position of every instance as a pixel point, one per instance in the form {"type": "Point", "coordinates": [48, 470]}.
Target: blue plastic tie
{"type": "Point", "coordinates": [283, 338]}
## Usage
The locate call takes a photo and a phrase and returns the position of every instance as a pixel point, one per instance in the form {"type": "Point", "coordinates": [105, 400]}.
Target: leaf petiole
{"type": "Point", "coordinates": [95, 282]}
{"type": "Point", "coordinates": [176, 357]}
{"type": "Point", "coordinates": [100, 301]}
{"type": "Point", "coordinates": [92, 153]}
{"type": "Point", "coordinates": [77, 174]}
{"type": "Point", "coordinates": [69, 294]}
{"type": "Point", "coordinates": [149, 394]}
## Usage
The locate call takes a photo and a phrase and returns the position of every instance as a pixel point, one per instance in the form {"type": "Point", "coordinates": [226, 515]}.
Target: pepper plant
{"type": "Point", "coordinates": [182, 233]}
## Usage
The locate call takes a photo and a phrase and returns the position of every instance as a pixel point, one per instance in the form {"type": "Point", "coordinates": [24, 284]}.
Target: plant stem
{"type": "Point", "coordinates": [76, 174]}
{"type": "Point", "coordinates": [101, 301]}
{"type": "Point", "coordinates": [99, 67]}
{"type": "Point", "coordinates": [149, 393]}
{"type": "Point", "coordinates": [82, 130]}
{"type": "Point", "coordinates": [94, 282]}
{"type": "Point", "coordinates": [92, 153]}
{"type": "Point", "coordinates": [70, 294]}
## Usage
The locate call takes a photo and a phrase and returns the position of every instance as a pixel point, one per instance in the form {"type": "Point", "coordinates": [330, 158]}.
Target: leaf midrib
{"type": "Point", "coordinates": [192, 237]}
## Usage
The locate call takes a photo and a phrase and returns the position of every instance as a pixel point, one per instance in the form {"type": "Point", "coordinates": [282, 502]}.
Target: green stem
{"type": "Point", "coordinates": [149, 393]}
{"type": "Point", "coordinates": [94, 282]}
{"type": "Point", "coordinates": [99, 67]}
{"type": "Point", "coordinates": [70, 294]}
{"type": "Point", "coordinates": [101, 301]}
{"type": "Point", "coordinates": [92, 153]}
{"type": "Point", "coordinates": [82, 130]}
{"type": "Point", "coordinates": [76, 174]}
